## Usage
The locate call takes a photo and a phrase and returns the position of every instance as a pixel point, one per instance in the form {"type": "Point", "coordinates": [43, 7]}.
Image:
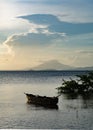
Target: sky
{"type": "Point", "coordinates": [35, 31]}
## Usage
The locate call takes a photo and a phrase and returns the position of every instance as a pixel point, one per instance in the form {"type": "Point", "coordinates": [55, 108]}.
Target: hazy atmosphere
{"type": "Point", "coordinates": [33, 32]}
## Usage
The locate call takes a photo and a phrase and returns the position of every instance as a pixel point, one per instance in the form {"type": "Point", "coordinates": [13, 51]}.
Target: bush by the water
{"type": "Point", "coordinates": [83, 84]}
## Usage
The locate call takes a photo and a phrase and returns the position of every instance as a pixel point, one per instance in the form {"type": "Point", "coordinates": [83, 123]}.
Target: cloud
{"type": "Point", "coordinates": [56, 25]}
{"type": "Point", "coordinates": [32, 47]}
{"type": "Point", "coordinates": [33, 39]}
{"type": "Point", "coordinates": [29, 50]}
{"type": "Point", "coordinates": [43, 43]}
{"type": "Point", "coordinates": [39, 33]}
{"type": "Point", "coordinates": [41, 1]}
{"type": "Point", "coordinates": [84, 52]}
{"type": "Point", "coordinates": [56, 2]}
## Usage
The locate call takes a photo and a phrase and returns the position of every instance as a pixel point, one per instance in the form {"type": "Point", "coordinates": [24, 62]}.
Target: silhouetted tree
{"type": "Point", "coordinates": [83, 84]}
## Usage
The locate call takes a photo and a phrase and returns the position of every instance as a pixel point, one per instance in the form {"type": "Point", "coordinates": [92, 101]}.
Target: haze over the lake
{"type": "Point", "coordinates": [36, 31]}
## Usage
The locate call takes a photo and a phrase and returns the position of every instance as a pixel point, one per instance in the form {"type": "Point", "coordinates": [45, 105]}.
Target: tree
{"type": "Point", "coordinates": [82, 85]}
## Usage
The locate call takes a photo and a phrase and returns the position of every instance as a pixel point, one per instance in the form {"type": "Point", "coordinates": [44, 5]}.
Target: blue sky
{"type": "Point", "coordinates": [35, 31]}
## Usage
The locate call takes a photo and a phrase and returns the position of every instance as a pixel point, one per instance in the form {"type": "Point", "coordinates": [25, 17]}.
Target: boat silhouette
{"type": "Point", "coordinates": [48, 102]}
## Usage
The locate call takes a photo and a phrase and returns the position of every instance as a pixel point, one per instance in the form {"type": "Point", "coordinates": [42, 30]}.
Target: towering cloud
{"type": "Point", "coordinates": [48, 38]}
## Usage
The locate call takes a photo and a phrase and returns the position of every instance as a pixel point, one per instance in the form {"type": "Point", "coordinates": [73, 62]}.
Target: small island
{"type": "Point", "coordinates": [83, 84]}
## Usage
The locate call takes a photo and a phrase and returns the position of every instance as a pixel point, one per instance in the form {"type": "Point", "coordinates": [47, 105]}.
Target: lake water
{"type": "Point", "coordinates": [15, 113]}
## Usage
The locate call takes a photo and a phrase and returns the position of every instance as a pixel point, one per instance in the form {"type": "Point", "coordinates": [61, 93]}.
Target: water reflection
{"type": "Point", "coordinates": [82, 101]}
{"type": "Point", "coordinates": [39, 107]}
{"type": "Point", "coordinates": [87, 100]}
{"type": "Point", "coordinates": [70, 96]}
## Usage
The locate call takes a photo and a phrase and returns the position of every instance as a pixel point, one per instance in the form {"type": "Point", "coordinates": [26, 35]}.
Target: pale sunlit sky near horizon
{"type": "Point", "coordinates": [35, 31]}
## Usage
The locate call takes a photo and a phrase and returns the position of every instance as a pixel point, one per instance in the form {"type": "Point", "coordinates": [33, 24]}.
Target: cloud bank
{"type": "Point", "coordinates": [50, 38]}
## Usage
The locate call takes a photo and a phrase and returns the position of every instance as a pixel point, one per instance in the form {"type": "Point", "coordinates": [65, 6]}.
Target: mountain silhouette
{"type": "Point", "coordinates": [52, 65]}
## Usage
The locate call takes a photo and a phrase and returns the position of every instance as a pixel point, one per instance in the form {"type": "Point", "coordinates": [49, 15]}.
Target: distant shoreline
{"type": "Point", "coordinates": [44, 70]}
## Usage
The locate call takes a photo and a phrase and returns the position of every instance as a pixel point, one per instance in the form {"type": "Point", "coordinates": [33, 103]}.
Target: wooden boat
{"type": "Point", "coordinates": [42, 100]}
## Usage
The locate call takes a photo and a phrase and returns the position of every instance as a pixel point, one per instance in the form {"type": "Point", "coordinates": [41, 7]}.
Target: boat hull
{"type": "Point", "coordinates": [41, 100]}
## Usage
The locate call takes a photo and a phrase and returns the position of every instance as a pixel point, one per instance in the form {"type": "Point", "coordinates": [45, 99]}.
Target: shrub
{"type": "Point", "coordinates": [83, 84]}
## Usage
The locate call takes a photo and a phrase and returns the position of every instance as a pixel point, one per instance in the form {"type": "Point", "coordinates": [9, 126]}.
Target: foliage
{"type": "Point", "coordinates": [83, 84]}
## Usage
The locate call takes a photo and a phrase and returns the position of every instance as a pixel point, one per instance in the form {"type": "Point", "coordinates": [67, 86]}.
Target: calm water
{"type": "Point", "coordinates": [15, 113]}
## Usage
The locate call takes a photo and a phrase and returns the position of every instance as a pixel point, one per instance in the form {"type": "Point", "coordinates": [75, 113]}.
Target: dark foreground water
{"type": "Point", "coordinates": [72, 113]}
